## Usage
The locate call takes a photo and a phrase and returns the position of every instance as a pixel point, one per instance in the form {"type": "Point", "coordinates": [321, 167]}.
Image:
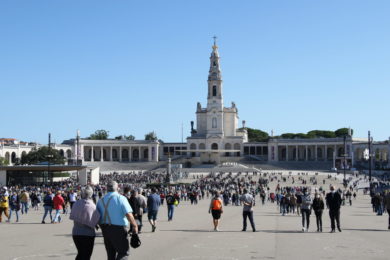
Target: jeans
{"type": "Point", "coordinates": [84, 245]}
{"type": "Point", "coordinates": [16, 212]}
{"type": "Point", "coordinates": [57, 217]}
{"type": "Point", "coordinates": [245, 215]}
{"type": "Point", "coordinates": [171, 208]}
{"type": "Point", "coordinates": [305, 217]}
{"type": "Point", "coordinates": [48, 210]}
{"type": "Point", "coordinates": [319, 219]}
{"type": "Point", "coordinates": [24, 207]}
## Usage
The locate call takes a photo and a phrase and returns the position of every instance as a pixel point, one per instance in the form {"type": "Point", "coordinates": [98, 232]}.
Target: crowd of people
{"type": "Point", "coordinates": [122, 199]}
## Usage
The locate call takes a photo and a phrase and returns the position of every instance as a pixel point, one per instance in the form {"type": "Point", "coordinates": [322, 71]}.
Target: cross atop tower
{"type": "Point", "coordinates": [215, 40]}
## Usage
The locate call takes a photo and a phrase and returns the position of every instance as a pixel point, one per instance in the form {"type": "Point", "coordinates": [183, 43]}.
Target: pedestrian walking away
{"type": "Point", "coordinates": [115, 215]}
{"type": "Point", "coordinates": [247, 210]}
{"type": "Point", "coordinates": [216, 209]}
{"type": "Point", "coordinates": [85, 218]}
{"type": "Point", "coordinates": [153, 204]}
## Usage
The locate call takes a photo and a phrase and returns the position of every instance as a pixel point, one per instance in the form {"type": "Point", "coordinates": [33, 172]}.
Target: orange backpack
{"type": "Point", "coordinates": [217, 204]}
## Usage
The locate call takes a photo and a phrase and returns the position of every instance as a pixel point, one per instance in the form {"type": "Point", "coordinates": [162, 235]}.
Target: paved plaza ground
{"type": "Point", "coordinates": [189, 236]}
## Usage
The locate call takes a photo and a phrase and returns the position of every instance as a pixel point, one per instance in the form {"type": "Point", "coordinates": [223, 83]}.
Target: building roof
{"type": "Point", "coordinates": [59, 168]}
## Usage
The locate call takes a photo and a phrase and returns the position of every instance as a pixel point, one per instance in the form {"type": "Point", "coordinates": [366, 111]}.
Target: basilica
{"type": "Point", "coordinates": [216, 138]}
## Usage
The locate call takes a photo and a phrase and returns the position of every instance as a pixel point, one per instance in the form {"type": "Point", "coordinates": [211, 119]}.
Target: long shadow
{"type": "Point", "coordinates": [24, 223]}
{"type": "Point", "coordinates": [367, 229]}
{"type": "Point", "coordinates": [200, 230]}
{"type": "Point", "coordinates": [286, 231]}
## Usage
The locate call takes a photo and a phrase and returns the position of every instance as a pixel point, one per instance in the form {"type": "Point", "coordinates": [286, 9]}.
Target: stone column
{"type": "Point", "coordinates": [335, 150]}
{"type": "Point", "coordinates": [307, 154]}
{"type": "Point", "coordinates": [316, 154]}
{"type": "Point", "coordinates": [130, 154]}
{"type": "Point", "coordinates": [101, 153]}
{"type": "Point", "coordinates": [139, 153]}
{"type": "Point", "coordinates": [92, 157]}
{"type": "Point", "coordinates": [110, 153]}
{"type": "Point", "coordinates": [286, 152]}
{"type": "Point", "coordinates": [120, 153]}
{"type": "Point", "coordinates": [149, 153]}
{"type": "Point", "coordinates": [297, 153]}
{"type": "Point", "coordinates": [326, 153]}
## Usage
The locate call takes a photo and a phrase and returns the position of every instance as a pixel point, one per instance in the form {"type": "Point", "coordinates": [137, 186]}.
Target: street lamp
{"type": "Point", "coordinates": [369, 160]}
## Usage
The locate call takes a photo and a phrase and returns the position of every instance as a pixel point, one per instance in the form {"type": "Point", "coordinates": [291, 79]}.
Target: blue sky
{"type": "Point", "coordinates": [131, 67]}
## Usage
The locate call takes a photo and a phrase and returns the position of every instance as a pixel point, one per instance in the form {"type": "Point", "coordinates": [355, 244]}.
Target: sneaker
{"type": "Point", "coordinates": [43, 222]}
{"type": "Point", "coordinates": [153, 228]}
{"type": "Point", "coordinates": [243, 230]}
{"type": "Point", "coordinates": [332, 231]}
{"type": "Point", "coordinates": [303, 229]}
{"type": "Point", "coordinates": [339, 229]}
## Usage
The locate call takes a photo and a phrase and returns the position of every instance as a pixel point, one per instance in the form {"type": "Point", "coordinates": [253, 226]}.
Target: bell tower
{"type": "Point", "coordinates": [215, 121]}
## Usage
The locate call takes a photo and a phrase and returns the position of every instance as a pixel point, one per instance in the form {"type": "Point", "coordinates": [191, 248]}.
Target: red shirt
{"type": "Point", "coordinates": [58, 201]}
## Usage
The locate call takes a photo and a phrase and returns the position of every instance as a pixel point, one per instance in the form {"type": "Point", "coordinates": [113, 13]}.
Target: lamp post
{"type": "Point", "coordinates": [49, 156]}
{"type": "Point", "coordinates": [369, 159]}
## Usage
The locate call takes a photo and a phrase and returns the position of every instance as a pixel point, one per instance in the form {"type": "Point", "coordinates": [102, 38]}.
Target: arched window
{"type": "Point", "coordinates": [214, 91]}
{"type": "Point", "coordinates": [202, 146]}
{"type": "Point", "coordinates": [13, 157]}
{"type": "Point", "coordinates": [68, 154]}
{"type": "Point", "coordinates": [214, 122]}
{"type": "Point", "coordinates": [146, 153]}
{"type": "Point", "coordinates": [114, 154]}
{"type": "Point", "coordinates": [228, 147]}
{"type": "Point", "coordinates": [214, 146]}
{"type": "Point", "coordinates": [125, 155]}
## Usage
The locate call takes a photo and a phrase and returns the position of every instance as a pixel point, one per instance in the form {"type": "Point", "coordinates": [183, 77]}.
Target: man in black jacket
{"type": "Point", "coordinates": [333, 202]}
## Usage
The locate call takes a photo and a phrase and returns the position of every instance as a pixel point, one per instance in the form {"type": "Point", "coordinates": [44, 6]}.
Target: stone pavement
{"type": "Point", "coordinates": [190, 236]}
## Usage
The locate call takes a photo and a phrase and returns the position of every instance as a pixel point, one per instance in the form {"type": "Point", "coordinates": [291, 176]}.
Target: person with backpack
{"type": "Point", "coordinates": [248, 202]}
{"type": "Point", "coordinates": [306, 210]}
{"type": "Point", "coordinates": [216, 209]}
{"type": "Point", "coordinates": [170, 205]}
{"type": "Point", "coordinates": [4, 203]}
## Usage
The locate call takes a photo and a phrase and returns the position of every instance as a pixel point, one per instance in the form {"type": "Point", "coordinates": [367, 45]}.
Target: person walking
{"type": "Point", "coordinates": [4, 203]}
{"type": "Point", "coordinates": [170, 205]}
{"type": "Point", "coordinates": [72, 198]}
{"type": "Point", "coordinates": [115, 215]}
{"type": "Point", "coordinates": [24, 200]}
{"type": "Point", "coordinates": [333, 202]}
{"type": "Point", "coordinates": [216, 209]}
{"type": "Point", "coordinates": [387, 205]}
{"type": "Point", "coordinates": [85, 217]}
{"type": "Point", "coordinates": [247, 210]}
{"type": "Point", "coordinates": [306, 210]}
{"type": "Point", "coordinates": [58, 204]}
{"type": "Point", "coordinates": [153, 206]}
{"type": "Point", "coordinates": [47, 206]}
{"type": "Point", "coordinates": [14, 205]}
{"type": "Point", "coordinates": [318, 207]}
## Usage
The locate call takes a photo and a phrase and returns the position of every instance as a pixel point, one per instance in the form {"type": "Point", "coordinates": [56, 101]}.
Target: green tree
{"type": "Point", "coordinates": [3, 161]}
{"type": "Point", "coordinates": [256, 135]}
{"type": "Point", "coordinates": [321, 133]}
{"type": "Point", "coordinates": [151, 136]}
{"type": "Point", "coordinates": [42, 154]}
{"type": "Point", "coordinates": [125, 137]}
{"type": "Point", "coordinates": [130, 137]}
{"type": "Point", "coordinates": [99, 135]}
{"type": "Point", "coordinates": [342, 131]}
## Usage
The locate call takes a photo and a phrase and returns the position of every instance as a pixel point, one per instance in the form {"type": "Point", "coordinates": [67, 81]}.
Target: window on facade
{"type": "Point", "coordinates": [214, 123]}
{"type": "Point", "coordinates": [214, 91]}
{"type": "Point", "coordinates": [214, 63]}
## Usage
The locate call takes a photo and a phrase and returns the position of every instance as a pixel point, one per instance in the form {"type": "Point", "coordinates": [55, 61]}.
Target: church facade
{"type": "Point", "coordinates": [217, 129]}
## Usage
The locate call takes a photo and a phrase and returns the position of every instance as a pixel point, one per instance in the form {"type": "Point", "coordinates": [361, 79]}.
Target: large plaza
{"type": "Point", "coordinates": [189, 236]}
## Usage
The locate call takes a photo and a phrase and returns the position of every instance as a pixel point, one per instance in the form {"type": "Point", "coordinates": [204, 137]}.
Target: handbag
{"type": "Point", "coordinates": [135, 242]}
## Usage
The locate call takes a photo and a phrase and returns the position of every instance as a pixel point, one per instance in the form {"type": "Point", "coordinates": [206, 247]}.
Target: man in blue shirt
{"type": "Point", "coordinates": [115, 215]}
{"type": "Point", "coordinates": [153, 205]}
